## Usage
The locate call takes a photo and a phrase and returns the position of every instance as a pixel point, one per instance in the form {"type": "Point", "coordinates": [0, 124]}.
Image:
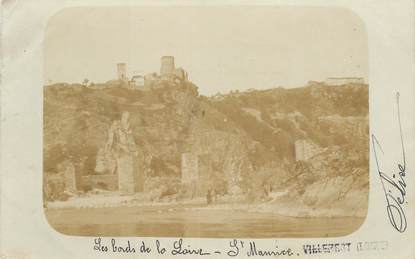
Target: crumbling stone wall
{"type": "Point", "coordinates": [304, 150]}
{"type": "Point", "coordinates": [190, 169]}
{"type": "Point", "coordinates": [105, 162]}
{"type": "Point", "coordinates": [107, 182]}
{"type": "Point", "coordinates": [167, 65]}
{"type": "Point", "coordinates": [67, 171]}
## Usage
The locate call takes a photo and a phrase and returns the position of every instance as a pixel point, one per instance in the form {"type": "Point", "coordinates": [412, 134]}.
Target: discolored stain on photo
{"type": "Point", "coordinates": [248, 122]}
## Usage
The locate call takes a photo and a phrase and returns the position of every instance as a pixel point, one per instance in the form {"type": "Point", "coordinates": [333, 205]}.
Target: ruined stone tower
{"type": "Point", "coordinates": [167, 65]}
{"type": "Point", "coordinates": [121, 71]}
{"type": "Point", "coordinates": [190, 169]}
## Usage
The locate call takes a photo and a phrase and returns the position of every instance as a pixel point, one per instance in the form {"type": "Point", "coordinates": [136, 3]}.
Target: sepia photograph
{"type": "Point", "coordinates": [211, 122]}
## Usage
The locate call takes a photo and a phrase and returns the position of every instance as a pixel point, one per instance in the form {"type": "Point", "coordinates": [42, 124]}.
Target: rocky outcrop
{"type": "Point", "coordinates": [244, 142]}
{"type": "Point", "coordinates": [226, 153]}
{"type": "Point", "coordinates": [105, 162]}
{"type": "Point", "coordinates": [123, 147]}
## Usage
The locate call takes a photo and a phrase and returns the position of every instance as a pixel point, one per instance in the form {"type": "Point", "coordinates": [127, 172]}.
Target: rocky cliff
{"type": "Point", "coordinates": [245, 141]}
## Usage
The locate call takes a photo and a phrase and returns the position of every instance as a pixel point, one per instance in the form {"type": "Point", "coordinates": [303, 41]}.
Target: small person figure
{"type": "Point", "coordinates": [209, 195]}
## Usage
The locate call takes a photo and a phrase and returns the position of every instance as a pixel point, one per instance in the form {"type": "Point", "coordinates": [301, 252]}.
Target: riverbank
{"type": "Point", "coordinates": [291, 208]}
{"type": "Point", "coordinates": [193, 221]}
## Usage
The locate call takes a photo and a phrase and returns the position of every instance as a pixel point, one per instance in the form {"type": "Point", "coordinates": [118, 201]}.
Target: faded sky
{"type": "Point", "coordinates": [222, 48]}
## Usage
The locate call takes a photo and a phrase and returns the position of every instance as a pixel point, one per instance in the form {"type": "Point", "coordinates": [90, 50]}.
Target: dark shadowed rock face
{"type": "Point", "coordinates": [244, 141]}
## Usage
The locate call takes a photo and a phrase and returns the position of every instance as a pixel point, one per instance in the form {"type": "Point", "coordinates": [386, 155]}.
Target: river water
{"type": "Point", "coordinates": [185, 221]}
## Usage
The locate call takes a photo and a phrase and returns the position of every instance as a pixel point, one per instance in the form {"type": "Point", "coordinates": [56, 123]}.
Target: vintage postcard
{"type": "Point", "coordinates": [189, 133]}
{"type": "Point", "coordinates": [187, 130]}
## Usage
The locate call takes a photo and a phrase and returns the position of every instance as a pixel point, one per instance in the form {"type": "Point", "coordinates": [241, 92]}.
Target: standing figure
{"type": "Point", "coordinates": [210, 196]}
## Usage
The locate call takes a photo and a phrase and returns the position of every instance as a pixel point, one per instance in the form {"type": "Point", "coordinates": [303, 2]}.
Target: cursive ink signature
{"type": "Point", "coordinates": [393, 187]}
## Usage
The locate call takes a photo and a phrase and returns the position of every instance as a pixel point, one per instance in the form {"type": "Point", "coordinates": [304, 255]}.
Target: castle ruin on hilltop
{"type": "Point", "coordinates": [168, 72]}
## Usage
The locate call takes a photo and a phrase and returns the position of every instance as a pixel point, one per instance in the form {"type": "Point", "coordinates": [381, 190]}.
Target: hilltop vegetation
{"type": "Point", "coordinates": [246, 139]}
